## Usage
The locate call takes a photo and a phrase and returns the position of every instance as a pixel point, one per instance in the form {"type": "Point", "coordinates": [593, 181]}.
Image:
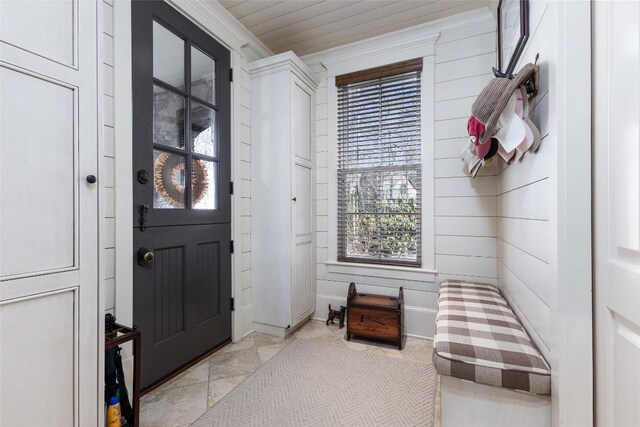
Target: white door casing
{"type": "Point", "coordinates": [616, 145]}
{"type": "Point", "coordinates": [49, 317]}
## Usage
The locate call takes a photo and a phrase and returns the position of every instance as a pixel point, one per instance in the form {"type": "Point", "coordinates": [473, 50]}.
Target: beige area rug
{"type": "Point", "coordinates": [323, 383]}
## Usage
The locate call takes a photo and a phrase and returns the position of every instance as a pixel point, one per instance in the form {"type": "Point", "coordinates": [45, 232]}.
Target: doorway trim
{"type": "Point", "coordinates": [572, 362]}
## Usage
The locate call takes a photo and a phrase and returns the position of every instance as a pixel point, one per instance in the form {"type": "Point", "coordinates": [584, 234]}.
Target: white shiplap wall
{"type": "Point", "coordinates": [465, 226]}
{"type": "Point", "coordinates": [243, 303]}
{"type": "Point", "coordinates": [465, 210]}
{"type": "Point", "coordinates": [107, 177]}
{"type": "Point", "coordinates": [526, 230]}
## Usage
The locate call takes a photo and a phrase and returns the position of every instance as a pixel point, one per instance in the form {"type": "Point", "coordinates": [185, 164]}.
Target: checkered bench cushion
{"type": "Point", "coordinates": [478, 338]}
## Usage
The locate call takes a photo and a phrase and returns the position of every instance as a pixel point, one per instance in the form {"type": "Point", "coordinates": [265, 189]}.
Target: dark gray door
{"type": "Point", "coordinates": [182, 231]}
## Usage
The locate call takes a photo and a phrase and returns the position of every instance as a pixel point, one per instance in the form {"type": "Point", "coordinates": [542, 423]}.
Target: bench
{"type": "Point", "coordinates": [492, 373]}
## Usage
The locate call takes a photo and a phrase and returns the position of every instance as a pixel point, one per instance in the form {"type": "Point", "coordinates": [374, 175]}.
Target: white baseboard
{"type": "Point", "coordinates": [244, 322]}
{"type": "Point", "coordinates": [263, 328]}
{"type": "Point", "coordinates": [419, 321]}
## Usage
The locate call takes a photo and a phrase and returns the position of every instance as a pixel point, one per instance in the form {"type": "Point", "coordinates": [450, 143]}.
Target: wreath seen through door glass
{"type": "Point", "coordinates": [169, 179]}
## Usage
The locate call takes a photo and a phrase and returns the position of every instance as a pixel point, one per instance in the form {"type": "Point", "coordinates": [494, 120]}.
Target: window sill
{"type": "Point", "coordinates": [386, 271]}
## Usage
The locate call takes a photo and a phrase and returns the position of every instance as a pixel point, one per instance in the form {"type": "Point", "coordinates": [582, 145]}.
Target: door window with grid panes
{"type": "Point", "coordinates": [185, 124]}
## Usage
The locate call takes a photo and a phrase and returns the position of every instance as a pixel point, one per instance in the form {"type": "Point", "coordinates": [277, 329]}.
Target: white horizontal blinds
{"type": "Point", "coordinates": [379, 165]}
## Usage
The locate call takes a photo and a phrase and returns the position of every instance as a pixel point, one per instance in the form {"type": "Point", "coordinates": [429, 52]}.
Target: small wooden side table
{"type": "Point", "coordinates": [376, 317]}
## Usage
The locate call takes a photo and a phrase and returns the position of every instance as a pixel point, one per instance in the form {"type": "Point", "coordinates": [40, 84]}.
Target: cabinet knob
{"type": "Point", "coordinates": [91, 179]}
{"type": "Point", "coordinates": [295, 199]}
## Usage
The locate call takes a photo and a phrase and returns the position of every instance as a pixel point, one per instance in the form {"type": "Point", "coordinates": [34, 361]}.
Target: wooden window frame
{"type": "Point", "coordinates": [373, 74]}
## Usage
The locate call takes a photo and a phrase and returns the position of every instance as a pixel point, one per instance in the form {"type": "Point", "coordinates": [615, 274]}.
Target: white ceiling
{"type": "Point", "coordinates": [309, 26]}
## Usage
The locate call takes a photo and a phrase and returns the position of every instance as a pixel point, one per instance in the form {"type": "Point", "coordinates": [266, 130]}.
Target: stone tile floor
{"type": "Point", "coordinates": [185, 398]}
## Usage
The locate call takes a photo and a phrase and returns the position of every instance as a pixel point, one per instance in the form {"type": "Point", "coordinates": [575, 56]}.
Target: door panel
{"type": "Point", "coordinates": [181, 111]}
{"type": "Point", "coordinates": [39, 369]}
{"type": "Point", "coordinates": [49, 151]}
{"type": "Point", "coordinates": [47, 29]}
{"type": "Point", "coordinates": [169, 271]}
{"type": "Point", "coordinates": [302, 127]}
{"type": "Point", "coordinates": [616, 107]}
{"type": "Point", "coordinates": [182, 298]}
{"type": "Point", "coordinates": [302, 293]}
{"type": "Point", "coordinates": [303, 206]}
{"type": "Point", "coordinates": [50, 332]}
{"type": "Point", "coordinates": [208, 281]}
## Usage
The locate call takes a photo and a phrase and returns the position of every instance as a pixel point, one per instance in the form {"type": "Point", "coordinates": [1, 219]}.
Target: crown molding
{"type": "Point", "coordinates": [284, 61]}
{"type": "Point", "coordinates": [385, 43]}
{"type": "Point", "coordinates": [394, 51]}
{"type": "Point", "coordinates": [224, 27]}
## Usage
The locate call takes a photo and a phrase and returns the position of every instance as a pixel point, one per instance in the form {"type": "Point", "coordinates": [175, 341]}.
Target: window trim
{"type": "Point", "coordinates": [424, 47]}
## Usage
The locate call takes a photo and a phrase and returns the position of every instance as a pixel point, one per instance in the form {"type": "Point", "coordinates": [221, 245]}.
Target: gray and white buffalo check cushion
{"type": "Point", "coordinates": [479, 338]}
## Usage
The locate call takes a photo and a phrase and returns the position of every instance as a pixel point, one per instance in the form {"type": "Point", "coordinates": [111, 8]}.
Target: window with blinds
{"type": "Point", "coordinates": [379, 165]}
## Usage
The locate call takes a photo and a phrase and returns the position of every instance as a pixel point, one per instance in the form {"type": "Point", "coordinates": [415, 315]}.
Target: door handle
{"type": "Point", "coordinates": [143, 210]}
{"type": "Point", "coordinates": [145, 256]}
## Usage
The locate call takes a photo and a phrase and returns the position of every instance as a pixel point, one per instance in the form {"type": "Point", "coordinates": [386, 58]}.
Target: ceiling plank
{"type": "Point", "coordinates": [228, 4]}
{"type": "Point", "coordinates": [387, 25]}
{"type": "Point", "coordinates": [248, 7]}
{"type": "Point", "coordinates": [309, 26]}
{"type": "Point", "coordinates": [274, 11]}
{"type": "Point", "coordinates": [345, 24]}
{"type": "Point", "coordinates": [299, 16]}
{"type": "Point", "coordinates": [353, 9]}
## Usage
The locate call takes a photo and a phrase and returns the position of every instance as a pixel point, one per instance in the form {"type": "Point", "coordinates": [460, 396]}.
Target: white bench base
{"type": "Point", "coordinates": [469, 404]}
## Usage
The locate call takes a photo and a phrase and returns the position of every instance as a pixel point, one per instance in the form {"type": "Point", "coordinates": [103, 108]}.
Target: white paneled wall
{"type": "Point", "coordinates": [526, 235]}
{"type": "Point", "coordinates": [243, 303]}
{"type": "Point", "coordinates": [107, 177]}
{"type": "Point", "coordinates": [465, 209]}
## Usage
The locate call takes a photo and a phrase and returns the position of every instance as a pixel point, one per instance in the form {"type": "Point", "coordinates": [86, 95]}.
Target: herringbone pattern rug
{"type": "Point", "coordinates": [322, 383]}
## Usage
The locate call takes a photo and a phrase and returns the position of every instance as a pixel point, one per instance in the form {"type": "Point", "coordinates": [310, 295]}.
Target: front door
{"type": "Point", "coordinates": [49, 184]}
{"type": "Point", "coordinates": [616, 141]}
{"type": "Point", "coordinates": [182, 202]}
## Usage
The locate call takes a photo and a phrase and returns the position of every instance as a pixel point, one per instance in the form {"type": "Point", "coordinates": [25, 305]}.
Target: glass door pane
{"type": "Point", "coordinates": [168, 118]}
{"type": "Point", "coordinates": [168, 56]}
{"type": "Point", "coordinates": [203, 76]}
{"type": "Point", "coordinates": [205, 181]}
{"type": "Point", "coordinates": [203, 129]}
{"type": "Point", "coordinates": [169, 180]}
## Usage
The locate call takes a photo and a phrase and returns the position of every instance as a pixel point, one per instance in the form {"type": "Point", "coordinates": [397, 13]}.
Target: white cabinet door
{"type": "Point", "coordinates": [616, 141]}
{"type": "Point", "coordinates": [49, 317]}
{"type": "Point", "coordinates": [303, 286]}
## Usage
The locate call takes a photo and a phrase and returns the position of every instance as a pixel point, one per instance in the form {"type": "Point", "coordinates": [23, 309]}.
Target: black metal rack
{"type": "Point", "coordinates": [118, 336]}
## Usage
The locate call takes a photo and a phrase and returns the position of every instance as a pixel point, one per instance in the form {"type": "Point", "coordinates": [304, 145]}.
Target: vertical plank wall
{"type": "Point", "coordinates": [526, 236]}
{"type": "Point", "coordinates": [244, 308]}
{"type": "Point", "coordinates": [108, 160]}
{"type": "Point", "coordinates": [465, 209]}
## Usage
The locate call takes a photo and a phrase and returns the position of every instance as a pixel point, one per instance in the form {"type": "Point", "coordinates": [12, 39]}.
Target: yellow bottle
{"type": "Point", "coordinates": [113, 412]}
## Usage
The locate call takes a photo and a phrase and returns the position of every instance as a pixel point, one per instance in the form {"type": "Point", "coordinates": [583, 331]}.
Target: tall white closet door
{"type": "Point", "coordinates": [616, 173]}
{"type": "Point", "coordinates": [49, 317]}
{"type": "Point", "coordinates": [303, 285]}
